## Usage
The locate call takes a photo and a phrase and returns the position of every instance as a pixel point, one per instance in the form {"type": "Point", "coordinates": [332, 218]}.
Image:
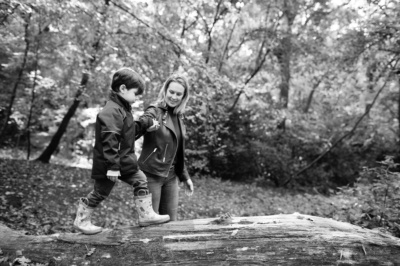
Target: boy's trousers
{"type": "Point", "coordinates": [103, 187]}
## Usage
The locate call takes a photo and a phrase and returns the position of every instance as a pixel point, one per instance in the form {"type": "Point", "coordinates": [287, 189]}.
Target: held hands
{"type": "Point", "coordinates": [189, 188]}
{"type": "Point", "coordinates": [154, 127]}
{"type": "Point", "coordinates": [113, 175]}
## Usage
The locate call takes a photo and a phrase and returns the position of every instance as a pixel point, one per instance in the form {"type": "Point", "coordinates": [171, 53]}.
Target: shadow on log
{"type": "Point", "coordinates": [286, 239]}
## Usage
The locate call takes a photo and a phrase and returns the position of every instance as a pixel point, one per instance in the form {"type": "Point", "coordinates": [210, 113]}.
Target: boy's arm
{"type": "Point", "coordinates": [147, 121]}
{"type": "Point", "coordinates": [111, 124]}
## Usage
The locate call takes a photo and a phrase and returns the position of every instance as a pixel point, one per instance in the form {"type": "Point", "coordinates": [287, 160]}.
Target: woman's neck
{"type": "Point", "coordinates": [170, 109]}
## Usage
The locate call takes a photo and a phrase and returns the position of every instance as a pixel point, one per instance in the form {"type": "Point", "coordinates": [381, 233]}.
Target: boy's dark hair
{"type": "Point", "coordinates": [129, 78]}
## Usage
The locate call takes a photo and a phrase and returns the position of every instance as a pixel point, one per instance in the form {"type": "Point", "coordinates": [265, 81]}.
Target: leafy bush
{"type": "Point", "coordinates": [377, 190]}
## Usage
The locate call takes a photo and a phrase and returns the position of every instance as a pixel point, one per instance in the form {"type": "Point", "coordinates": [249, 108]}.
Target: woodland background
{"type": "Point", "coordinates": [300, 96]}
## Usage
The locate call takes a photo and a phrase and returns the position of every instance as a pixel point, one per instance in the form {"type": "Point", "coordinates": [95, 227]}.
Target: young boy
{"type": "Point", "coordinates": [114, 153]}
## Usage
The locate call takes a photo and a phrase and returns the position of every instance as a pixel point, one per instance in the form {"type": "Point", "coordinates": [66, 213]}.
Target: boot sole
{"type": "Point", "coordinates": [144, 224]}
{"type": "Point", "coordinates": [88, 232]}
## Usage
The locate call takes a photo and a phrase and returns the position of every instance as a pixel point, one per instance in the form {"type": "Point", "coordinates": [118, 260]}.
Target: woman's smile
{"type": "Point", "coordinates": [174, 94]}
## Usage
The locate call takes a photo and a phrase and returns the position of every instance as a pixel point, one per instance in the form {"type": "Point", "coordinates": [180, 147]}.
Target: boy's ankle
{"type": "Point", "coordinates": [141, 192]}
{"type": "Point", "coordinates": [85, 201]}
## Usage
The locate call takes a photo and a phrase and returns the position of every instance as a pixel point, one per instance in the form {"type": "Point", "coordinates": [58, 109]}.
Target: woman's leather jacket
{"type": "Point", "coordinates": [161, 146]}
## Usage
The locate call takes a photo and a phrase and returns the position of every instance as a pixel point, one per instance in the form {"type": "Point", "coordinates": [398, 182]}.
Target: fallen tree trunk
{"type": "Point", "coordinates": [286, 239]}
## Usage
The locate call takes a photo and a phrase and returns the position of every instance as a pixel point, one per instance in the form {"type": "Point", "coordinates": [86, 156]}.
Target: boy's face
{"type": "Point", "coordinates": [128, 95]}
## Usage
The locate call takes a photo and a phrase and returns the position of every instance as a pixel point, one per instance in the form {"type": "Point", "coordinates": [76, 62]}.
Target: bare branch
{"type": "Point", "coordinates": [369, 107]}
{"type": "Point", "coordinates": [261, 59]}
{"type": "Point", "coordinates": [177, 49]}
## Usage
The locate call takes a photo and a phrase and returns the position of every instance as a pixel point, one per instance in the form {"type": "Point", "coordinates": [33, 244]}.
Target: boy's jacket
{"type": "Point", "coordinates": [114, 147]}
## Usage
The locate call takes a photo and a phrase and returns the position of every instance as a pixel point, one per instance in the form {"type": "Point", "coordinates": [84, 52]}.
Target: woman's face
{"type": "Point", "coordinates": [174, 94]}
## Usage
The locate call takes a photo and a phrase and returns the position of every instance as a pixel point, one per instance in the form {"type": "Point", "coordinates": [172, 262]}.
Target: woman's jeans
{"type": "Point", "coordinates": [103, 187]}
{"type": "Point", "coordinates": [165, 193]}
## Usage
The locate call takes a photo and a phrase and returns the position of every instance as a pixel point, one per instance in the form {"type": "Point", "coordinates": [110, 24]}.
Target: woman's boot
{"type": "Point", "coordinates": [145, 211]}
{"type": "Point", "coordinates": [82, 221]}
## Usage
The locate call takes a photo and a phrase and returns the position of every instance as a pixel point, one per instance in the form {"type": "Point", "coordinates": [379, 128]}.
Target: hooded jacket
{"type": "Point", "coordinates": [114, 147]}
{"type": "Point", "coordinates": [161, 146]}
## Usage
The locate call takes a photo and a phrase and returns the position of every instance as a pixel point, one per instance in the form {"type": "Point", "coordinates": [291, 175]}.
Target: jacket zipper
{"type": "Point", "coordinates": [155, 149]}
{"type": "Point", "coordinates": [165, 152]}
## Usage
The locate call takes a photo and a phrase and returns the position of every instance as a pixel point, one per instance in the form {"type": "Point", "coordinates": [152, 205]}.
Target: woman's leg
{"type": "Point", "coordinates": [154, 184]}
{"type": "Point", "coordinates": [170, 196]}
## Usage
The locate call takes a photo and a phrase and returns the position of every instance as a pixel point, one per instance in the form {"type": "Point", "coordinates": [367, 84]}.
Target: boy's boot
{"type": "Point", "coordinates": [82, 221]}
{"type": "Point", "coordinates": [145, 211]}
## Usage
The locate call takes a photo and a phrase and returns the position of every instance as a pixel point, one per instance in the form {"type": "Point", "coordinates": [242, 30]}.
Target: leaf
{"type": "Point", "coordinates": [106, 255]}
{"type": "Point", "coordinates": [90, 252]}
{"type": "Point", "coordinates": [21, 261]}
{"type": "Point", "coordinates": [234, 232]}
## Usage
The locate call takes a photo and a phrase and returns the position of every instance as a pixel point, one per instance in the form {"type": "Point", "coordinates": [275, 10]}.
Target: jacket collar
{"type": "Point", "coordinates": [119, 100]}
{"type": "Point", "coordinates": [164, 106]}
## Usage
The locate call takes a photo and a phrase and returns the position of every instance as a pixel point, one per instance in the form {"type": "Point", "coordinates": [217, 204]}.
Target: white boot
{"type": "Point", "coordinates": [82, 221]}
{"type": "Point", "coordinates": [145, 211]}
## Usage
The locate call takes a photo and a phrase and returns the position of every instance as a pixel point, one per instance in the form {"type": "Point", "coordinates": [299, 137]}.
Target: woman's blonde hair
{"type": "Point", "coordinates": [180, 79]}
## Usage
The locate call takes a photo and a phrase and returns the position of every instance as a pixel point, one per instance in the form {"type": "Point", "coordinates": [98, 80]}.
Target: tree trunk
{"type": "Point", "coordinates": [28, 122]}
{"type": "Point", "coordinates": [285, 239]}
{"type": "Point", "coordinates": [3, 129]}
{"type": "Point", "coordinates": [398, 108]}
{"type": "Point", "coordinates": [284, 51]}
{"type": "Point", "coordinates": [48, 152]}
{"type": "Point", "coordinates": [285, 72]}
{"type": "Point", "coordinates": [51, 148]}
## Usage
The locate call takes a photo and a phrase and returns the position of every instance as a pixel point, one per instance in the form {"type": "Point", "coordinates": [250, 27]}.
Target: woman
{"type": "Point", "coordinates": [163, 152]}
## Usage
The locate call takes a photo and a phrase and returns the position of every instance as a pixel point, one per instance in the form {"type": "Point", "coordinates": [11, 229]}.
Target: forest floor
{"type": "Point", "coordinates": [42, 198]}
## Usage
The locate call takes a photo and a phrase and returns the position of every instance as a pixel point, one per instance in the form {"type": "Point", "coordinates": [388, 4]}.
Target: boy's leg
{"type": "Point", "coordinates": [137, 180]}
{"type": "Point", "coordinates": [170, 196]}
{"type": "Point", "coordinates": [102, 188]}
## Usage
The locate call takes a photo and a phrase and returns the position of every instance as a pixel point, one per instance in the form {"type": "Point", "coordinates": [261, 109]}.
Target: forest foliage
{"type": "Point", "coordinates": [301, 93]}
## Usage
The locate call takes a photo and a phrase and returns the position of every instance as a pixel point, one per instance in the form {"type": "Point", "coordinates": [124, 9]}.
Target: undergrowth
{"type": "Point", "coordinates": [377, 190]}
{"type": "Point", "coordinates": [41, 199]}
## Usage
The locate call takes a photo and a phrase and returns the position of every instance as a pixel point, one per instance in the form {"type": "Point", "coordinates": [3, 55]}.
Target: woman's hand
{"type": "Point", "coordinates": [189, 187]}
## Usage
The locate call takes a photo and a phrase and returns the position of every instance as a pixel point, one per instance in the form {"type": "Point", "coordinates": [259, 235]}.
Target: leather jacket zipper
{"type": "Point", "coordinates": [155, 149]}
{"type": "Point", "coordinates": [165, 152]}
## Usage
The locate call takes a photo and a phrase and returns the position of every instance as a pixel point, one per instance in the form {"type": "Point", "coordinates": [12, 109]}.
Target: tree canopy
{"type": "Point", "coordinates": [301, 92]}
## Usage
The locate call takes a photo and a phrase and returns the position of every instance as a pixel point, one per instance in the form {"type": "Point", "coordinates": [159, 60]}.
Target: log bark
{"type": "Point", "coordinates": [285, 239]}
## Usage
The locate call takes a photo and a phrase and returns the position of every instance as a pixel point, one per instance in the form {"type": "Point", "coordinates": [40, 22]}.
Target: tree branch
{"type": "Point", "coordinates": [369, 107]}
{"type": "Point", "coordinates": [177, 49]}
{"type": "Point", "coordinates": [226, 46]}
{"type": "Point", "coordinates": [315, 86]}
{"type": "Point", "coordinates": [251, 76]}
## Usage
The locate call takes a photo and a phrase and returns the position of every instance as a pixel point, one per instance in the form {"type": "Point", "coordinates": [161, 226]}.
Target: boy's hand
{"type": "Point", "coordinates": [113, 175]}
{"type": "Point", "coordinates": [154, 127]}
